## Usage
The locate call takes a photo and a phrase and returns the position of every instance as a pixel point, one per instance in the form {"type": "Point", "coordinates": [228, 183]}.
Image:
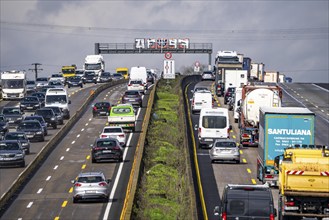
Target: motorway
{"type": "Point", "coordinates": [48, 194]}
{"type": "Point", "coordinates": [215, 176]}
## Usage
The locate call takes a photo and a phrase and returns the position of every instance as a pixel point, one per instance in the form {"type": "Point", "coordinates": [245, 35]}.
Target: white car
{"type": "Point", "coordinates": [114, 132]}
{"type": "Point", "coordinates": [136, 84]}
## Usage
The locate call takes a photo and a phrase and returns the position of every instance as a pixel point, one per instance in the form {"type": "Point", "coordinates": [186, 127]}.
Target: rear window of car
{"type": "Point", "coordinates": [90, 179]}
{"type": "Point", "coordinates": [11, 111]}
{"type": "Point", "coordinates": [106, 143]}
{"type": "Point", "coordinates": [131, 93]}
{"type": "Point", "coordinates": [31, 99]}
{"type": "Point", "coordinates": [112, 130]}
{"type": "Point", "coordinates": [135, 82]}
{"type": "Point", "coordinates": [29, 124]}
{"type": "Point", "coordinates": [102, 104]}
{"type": "Point", "coordinates": [225, 144]}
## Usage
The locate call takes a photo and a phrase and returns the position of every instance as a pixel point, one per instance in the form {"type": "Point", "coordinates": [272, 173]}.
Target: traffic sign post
{"type": "Point", "coordinates": [168, 55]}
{"type": "Point", "coordinates": [169, 69]}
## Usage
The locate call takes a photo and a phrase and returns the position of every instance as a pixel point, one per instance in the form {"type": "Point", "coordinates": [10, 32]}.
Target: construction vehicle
{"type": "Point", "coordinates": [303, 182]}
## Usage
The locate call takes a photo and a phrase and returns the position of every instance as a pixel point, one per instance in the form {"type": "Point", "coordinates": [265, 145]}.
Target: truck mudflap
{"type": "Point", "coordinates": [303, 206]}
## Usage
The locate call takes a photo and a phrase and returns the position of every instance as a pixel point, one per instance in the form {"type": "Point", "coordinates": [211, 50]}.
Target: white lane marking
{"type": "Point", "coordinates": [48, 178]}
{"type": "Point", "coordinates": [39, 191]}
{"type": "Point", "coordinates": [78, 135]}
{"type": "Point", "coordinates": [322, 110]}
{"type": "Point", "coordinates": [62, 157]}
{"type": "Point", "coordinates": [55, 167]}
{"type": "Point", "coordinates": [320, 87]}
{"type": "Point", "coordinates": [20, 219]}
{"type": "Point", "coordinates": [116, 181]}
{"type": "Point", "coordinates": [302, 97]}
{"type": "Point", "coordinates": [73, 142]}
{"type": "Point", "coordinates": [89, 119]}
{"type": "Point", "coordinates": [202, 154]}
{"type": "Point", "coordinates": [86, 124]}
{"type": "Point", "coordinates": [306, 100]}
{"type": "Point", "coordinates": [67, 149]}
{"type": "Point", "coordinates": [29, 205]}
{"type": "Point", "coordinates": [82, 129]}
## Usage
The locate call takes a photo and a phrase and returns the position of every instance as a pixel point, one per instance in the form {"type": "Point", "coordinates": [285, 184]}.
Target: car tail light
{"type": "Point", "coordinates": [102, 184]}
{"type": "Point", "coordinates": [218, 86]}
{"type": "Point", "coordinates": [272, 217]}
{"type": "Point", "coordinates": [97, 148]}
{"type": "Point", "coordinates": [95, 108]}
{"type": "Point", "coordinates": [129, 84]}
{"type": "Point", "coordinates": [109, 108]}
{"type": "Point", "coordinates": [245, 135]}
{"type": "Point", "coordinates": [224, 216]}
{"type": "Point", "coordinates": [141, 84]}
{"type": "Point", "coordinates": [199, 130]}
{"type": "Point", "coordinates": [116, 148]}
{"type": "Point", "coordinates": [77, 184]}
{"type": "Point", "coordinates": [121, 135]}
{"type": "Point", "coordinates": [291, 203]}
{"type": "Point", "coordinates": [269, 176]}
{"type": "Point", "coordinates": [103, 136]}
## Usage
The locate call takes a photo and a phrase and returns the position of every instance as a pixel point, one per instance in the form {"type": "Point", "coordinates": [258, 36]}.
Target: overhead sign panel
{"type": "Point", "coordinates": [162, 43]}
{"type": "Point", "coordinates": [169, 69]}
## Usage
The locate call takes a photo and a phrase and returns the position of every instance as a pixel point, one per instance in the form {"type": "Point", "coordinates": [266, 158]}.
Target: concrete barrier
{"type": "Point", "coordinates": [18, 184]}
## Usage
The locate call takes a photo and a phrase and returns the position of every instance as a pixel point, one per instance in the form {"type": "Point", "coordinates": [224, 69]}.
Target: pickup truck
{"type": "Point", "coordinates": [123, 115]}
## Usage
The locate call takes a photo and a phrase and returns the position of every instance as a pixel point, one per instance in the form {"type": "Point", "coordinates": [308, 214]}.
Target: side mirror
{"type": "Point", "coordinates": [195, 127]}
{"type": "Point", "coordinates": [108, 180]}
{"type": "Point", "coordinates": [230, 127]}
{"type": "Point", "coordinates": [69, 101]}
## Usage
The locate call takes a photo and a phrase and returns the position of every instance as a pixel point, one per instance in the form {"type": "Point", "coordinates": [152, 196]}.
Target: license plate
{"type": "Point", "coordinates": [11, 121]}
{"type": "Point", "coordinates": [29, 136]}
{"type": "Point", "coordinates": [207, 139]}
{"type": "Point", "coordinates": [6, 158]}
{"type": "Point", "coordinates": [107, 151]}
{"type": "Point", "coordinates": [90, 191]}
{"type": "Point", "coordinates": [29, 107]}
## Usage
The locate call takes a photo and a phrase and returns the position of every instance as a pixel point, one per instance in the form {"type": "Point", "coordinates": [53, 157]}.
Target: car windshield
{"type": "Point", "coordinates": [112, 130]}
{"type": "Point", "coordinates": [39, 95]}
{"type": "Point", "coordinates": [56, 110]}
{"type": "Point", "coordinates": [90, 179]}
{"type": "Point", "coordinates": [42, 80]}
{"type": "Point", "coordinates": [11, 111]}
{"type": "Point", "coordinates": [30, 83]}
{"type": "Point", "coordinates": [9, 146]}
{"type": "Point", "coordinates": [225, 144]}
{"type": "Point", "coordinates": [121, 110]}
{"type": "Point", "coordinates": [56, 98]}
{"type": "Point", "coordinates": [130, 92]}
{"type": "Point", "coordinates": [214, 122]}
{"type": "Point", "coordinates": [107, 143]}
{"type": "Point", "coordinates": [31, 99]}
{"type": "Point", "coordinates": [117, 75]}
{"type": "Point", "coordinates": [15, 136]}
{"type": "Point", "coordinates": [89, 74]}
{"type": "Point", "coordinates": [29, 125]}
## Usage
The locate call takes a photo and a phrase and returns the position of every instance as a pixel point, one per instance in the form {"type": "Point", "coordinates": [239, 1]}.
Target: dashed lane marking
{"type": "Point", "coordinates": [241, 152]}
{"type": "Point", "coordinates": [62, 157]}
{"type": "Point", "coordinates": [78, 135]}
{"type": "Point", "coordinates": [82, 129]}
{"type": "Point", "coordinates": [253, 181]}
{"type": "Point", "coordinates": [67, 149]}
{"type": "Point", "coordinates": [29, 205]}
{"type": "Point", "coordinates": [88, 157]}
{"type": "Point", "coordinates": [244, 160]}
{"type": "Point", "coordinates": [83, 166]}
{"type": "Point", "coordinates": [71, 190]}
{"type": "Point", "coordinates": [248, 170]}
{"type": "Point", "coordinates": [64, 204]}
{"type": "Point", "coordinates": [39, 191]}
{"type": "Point", "coordinates": [73, 142]}
{"type": "Point", "coordinates": [55, 167]}
{"type": "Point", "coordinates": [48, 178]}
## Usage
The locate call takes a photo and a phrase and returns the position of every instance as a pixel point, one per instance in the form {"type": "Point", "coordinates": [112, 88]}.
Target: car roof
{"type": "Point", "coordinates": [91, 174]}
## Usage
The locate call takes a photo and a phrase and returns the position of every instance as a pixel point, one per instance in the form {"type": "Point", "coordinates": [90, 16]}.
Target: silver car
{"type": "Point", "coordinates": [226, 150]}
{"type": "Point", "coordinates": [91, 186]}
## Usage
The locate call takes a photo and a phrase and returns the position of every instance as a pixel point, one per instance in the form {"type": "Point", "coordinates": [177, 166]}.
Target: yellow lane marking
{"type": "Point", "coordinates": [234, 136]}
{"type": "Point", "coordinates": [248, 170]}
{"type": "Point", "coordinates": [241, 152]}
{"type": "Point", "coordinates": [71, 190]}
{"type": "Point", "coordinates": [253, 181]}
{"type": "Point", "coordinates": [88, 157]}
{"type": "Point", "coordinates": [244, 160]}
{"type": "Point", "coordinates": [83, 166]}
{"type": "Point", "coordinates": [56, 218]}
{"type": "Point", "coordinates": [64, 203]}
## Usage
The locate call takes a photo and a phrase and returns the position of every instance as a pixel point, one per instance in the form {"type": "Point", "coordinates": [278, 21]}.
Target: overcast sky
{"type": "Point", "coordinates": [288, 36]}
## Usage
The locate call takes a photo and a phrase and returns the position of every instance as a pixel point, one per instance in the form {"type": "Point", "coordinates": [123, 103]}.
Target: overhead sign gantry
{"type": "Point", "coordinates": [154, 46]}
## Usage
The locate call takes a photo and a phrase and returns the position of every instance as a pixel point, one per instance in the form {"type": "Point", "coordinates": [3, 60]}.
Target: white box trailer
{"type": "Point", "coordinates": [271, 77]}
{"type": "Point", "coordinates": [236, 78]}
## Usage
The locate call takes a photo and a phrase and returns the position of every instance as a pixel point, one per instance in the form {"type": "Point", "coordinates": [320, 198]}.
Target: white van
{"type": "Point", "coordinates": [138, 72]}
{"type": "Point", "coordinates": [213, 124]}
{"type": "Point", "coordinates": [201, 99]}
{"type": "Point", "coordinates": [58, 97]}
{"type": "Point", "coordinates": [237, 103]}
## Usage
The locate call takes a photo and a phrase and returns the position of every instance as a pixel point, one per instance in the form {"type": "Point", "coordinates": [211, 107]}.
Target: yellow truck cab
{"type": "Point", "coordinates": [124, 71]}
{"type": "Point", "coordinates": [69, 71]}
{"type": "Point", "coordinates": [303, 182]}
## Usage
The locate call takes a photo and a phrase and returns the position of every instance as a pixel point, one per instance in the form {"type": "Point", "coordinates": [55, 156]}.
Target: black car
{"type": "Point", "coordinates": [106, 149]}
{"type": "Point", "coordinates": [32, 129]}
{"type": "Point", "coordinates": [13, 115]}
{"type": "Point", "coordinates": [101, 108]}
{"type": "Point", "coordinates": [21, 137]}
{"type": "Point", "coordinates": [11, 153]}
{"type": "Point", "coordinates": [229, 94]}
{"type": "Point", "coordinates": [59, 114]}
{"type": "Point", "coordinates": [41, 120]}
{"type": "Point", "coordinates": [49, 115]}
{"type": "Point", "coordinates": [246, 202]}
{"type": "Point", "coordinates": [105, 77]}
{"type": "Point", "coordinates": [3, 125]}
{"type": "Point", "coordinates": [133, 97]}
{"type": "Point", "coordinates": [150, 77]}
{"type": "Point", "coordinates": [41, 96]}
{"type": "Point", "coordinates": [90, 77]}
{"type": "Point", "coordinates": [30, 103]}
{"type": "Point", "coordinates": [74, 81]}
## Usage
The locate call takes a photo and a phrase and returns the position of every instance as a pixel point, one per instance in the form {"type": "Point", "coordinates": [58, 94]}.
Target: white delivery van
{"type": "Point", "coordinates": [139, 72]}
{"type": "Point", "coordinates": [213, 124]}
{"type": "Point", "coordinates": [201, 99]}
{"type": "Point", "coordinates": [237, 103]}
{"type": "Point", "coordinates": [58, 97]}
